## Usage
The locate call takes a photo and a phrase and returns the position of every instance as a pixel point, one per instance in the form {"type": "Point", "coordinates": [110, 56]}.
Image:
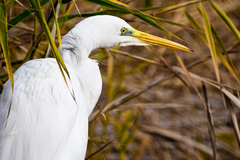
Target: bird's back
{"type": "Point", "coordinates": [45, 122]}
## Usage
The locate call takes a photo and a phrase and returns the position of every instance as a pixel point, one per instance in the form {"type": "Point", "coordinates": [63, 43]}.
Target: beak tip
{"type": "Point", "coordinates": [191, 50]}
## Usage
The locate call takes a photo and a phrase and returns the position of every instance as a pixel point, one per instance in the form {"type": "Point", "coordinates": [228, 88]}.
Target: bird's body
{"type": "Point", "coordinates": [45, 121]}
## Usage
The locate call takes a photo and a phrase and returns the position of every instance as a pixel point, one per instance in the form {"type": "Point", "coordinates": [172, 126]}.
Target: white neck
{"type": "Point", "coordinates": [75, 52]}
{"type": "Point", "coordinates": [74, 49]}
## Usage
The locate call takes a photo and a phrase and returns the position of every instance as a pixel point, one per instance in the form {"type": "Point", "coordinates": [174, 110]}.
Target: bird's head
{"type": "Point", "coordinates": [108, 31]}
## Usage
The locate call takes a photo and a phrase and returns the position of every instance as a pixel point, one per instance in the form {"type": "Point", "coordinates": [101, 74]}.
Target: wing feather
{"type": "Point", "coordinates": [44, 118]}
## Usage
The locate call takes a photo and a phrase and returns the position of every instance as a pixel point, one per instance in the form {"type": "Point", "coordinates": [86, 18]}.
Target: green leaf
{"type": "Point", "coordinates": [99, 56]}
{"type": "Point", "coordinates": [4, 40]}
{"type": "Point", "coordinates": [119, 3]}
{"type": "Point", "coordinates": [3, 76]}
{"type": "Point", "coordinates": [4, 43]}
{"type": "Point", "coordinates": [88, 14]}
{"type": "Point", "coordinates": [226, 20]}
{"type": "Point", "coordinates": [9, 3]}
{"type": "Point", "coordinates": [196, 25]}
{"type": "Point", "coordinates": [228, 64]}
{"type": "Point", "coordinates": [65, 15]}
{"type": "Point", "coordinates": [210, 40]}
{"type": "Point", "coordinates": [172, 7]}
{"type": "Point", "coordinates": [23, 15]}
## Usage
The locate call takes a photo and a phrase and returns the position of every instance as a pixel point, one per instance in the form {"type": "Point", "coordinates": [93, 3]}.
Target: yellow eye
{"type": "Point", "coordinates": [123, 30]}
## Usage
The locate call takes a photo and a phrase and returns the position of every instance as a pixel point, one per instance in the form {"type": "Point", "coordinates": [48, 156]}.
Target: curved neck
{"type": "Point", "coordinates": [75, 52]}
{"type": "Point", "coordinates": [75, 47]}
{"type": "Point", "coordinates": [78, 43]}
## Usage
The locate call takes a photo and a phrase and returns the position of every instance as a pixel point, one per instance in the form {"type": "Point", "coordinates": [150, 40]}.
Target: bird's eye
{"type": "Point", "coordinates": [123, 30]}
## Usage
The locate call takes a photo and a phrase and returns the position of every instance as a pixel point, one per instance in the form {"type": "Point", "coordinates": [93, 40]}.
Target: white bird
{"type": "Point", "coordinates": [45, 122]}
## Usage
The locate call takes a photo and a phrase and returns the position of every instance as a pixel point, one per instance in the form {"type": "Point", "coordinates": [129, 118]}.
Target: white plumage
{"type": "Point", "coordinates": [45, 122]}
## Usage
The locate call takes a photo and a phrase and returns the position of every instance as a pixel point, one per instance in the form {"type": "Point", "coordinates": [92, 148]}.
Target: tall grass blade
{"type": "Point", "coordinates": [88, 14]}
{"type": "Point", "coordinates": [222, 89]}
{"type": "Point", "coordinates": [110, 68]}
{"type": "Point", "coordinates": [36, 40]}
{"type": "Point", "coordinates": [210, 121]}
{"type": "Point", "coordinates": [165, 62]}
{"type": "Point", "coordinates": [37, 7]}
{"type": "Point", "coordinates": [136, 57]}
{"type": "Point", "coordinates": [3, 76]}
{"type": "Point", "coordinates": [196, 25]}
{"type": "Point", "coordinates": [57, 26]}
{"type": "Point", "coordinates": [187, 74]}
{"type": "Point", "coordinates": [106, 144]}
{"type": "Point", "coordinates": [65, 15]}
{"type": "Point", "coordinates": [176, 137]}
{"type": "Point", "coordinates": [119, 3]}
{"type": "Point", "coordinates": [228, 66]}
{"type": "Point", "coordinates": [76, 7]}
{"type": "Point", "coordinates": [4, 43]}
{"type": "Point", "coordinates": [9, 3]}
{"type": "Point", "coordinates": [226, 20]}
{"type": "Point", "coordinates": [233, 117]}
{"type": "Point", "coordinates": [145, 17]}
{"type": "Point", "coordinates": [100, 149]}
{"type": "Point", "coordinates": [172, 7]}
{"type": "Point", "coordinates": [221, 44]}
{"type": "Point", "coordinates": [231, 68]}
{"type": "Point", "coordinates": [210, 40]}
{"type": "Point", "coordinates": [99, 56]}
{"type": "Point", "coordinates": [23, 15]}
{"type": "Point", "coordinates": [4, 40]}
{"type": "Point", "coordinates": [141, 15]}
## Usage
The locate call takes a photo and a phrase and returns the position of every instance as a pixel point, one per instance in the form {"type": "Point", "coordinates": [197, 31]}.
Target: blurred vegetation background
{"type": "Point", "coordinates": [159, 103]}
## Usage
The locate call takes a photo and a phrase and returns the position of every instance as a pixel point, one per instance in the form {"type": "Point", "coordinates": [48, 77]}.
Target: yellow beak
{"type": "Point", "coordinates": [154, 40]}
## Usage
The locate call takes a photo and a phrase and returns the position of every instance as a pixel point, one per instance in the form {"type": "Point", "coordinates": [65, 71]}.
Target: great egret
{"type": "Point", "coordinates": [45, 122]}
